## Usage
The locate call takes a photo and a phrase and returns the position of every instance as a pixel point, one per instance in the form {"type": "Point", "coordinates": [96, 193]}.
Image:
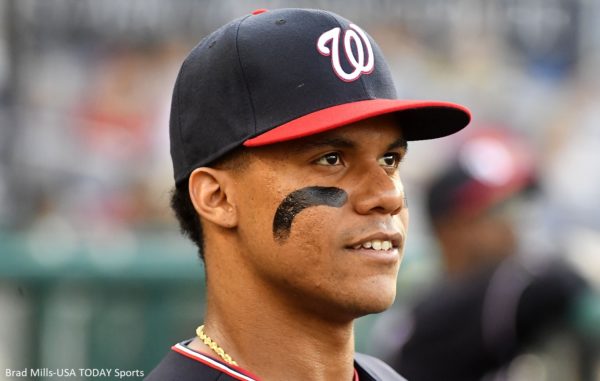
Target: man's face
{"type": "Point", "coordinates": [312, 210]}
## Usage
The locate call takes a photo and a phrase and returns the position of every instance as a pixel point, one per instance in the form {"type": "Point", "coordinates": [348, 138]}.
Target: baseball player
{"type": "Point", "coordinates": [286, 139]}
{"type": "Point", "coordinates": [493, 302]}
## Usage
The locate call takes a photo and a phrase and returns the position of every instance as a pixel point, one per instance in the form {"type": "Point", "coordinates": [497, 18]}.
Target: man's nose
{"type": "Point", "coordinates": [377, 192]}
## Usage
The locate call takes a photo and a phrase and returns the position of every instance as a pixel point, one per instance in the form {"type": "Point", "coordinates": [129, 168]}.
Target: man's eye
{"type": "Point", "coordinates": [330, 159]}
{"type": "Point", "coordinates": [390, 160]}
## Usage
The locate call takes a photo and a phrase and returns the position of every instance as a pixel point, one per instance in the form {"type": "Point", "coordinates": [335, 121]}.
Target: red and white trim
{"type": "Point", "coordinates": [231, 370]}
{"type": "Point", "coordinates": [235, 372]}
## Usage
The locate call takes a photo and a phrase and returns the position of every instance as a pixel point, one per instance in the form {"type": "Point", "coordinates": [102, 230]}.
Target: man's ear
{"type": "Point", "coordinates": [209, 189]}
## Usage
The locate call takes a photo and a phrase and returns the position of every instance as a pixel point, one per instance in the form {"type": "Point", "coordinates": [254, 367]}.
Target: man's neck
{"type": "Point", "coordinates": [278, 342]}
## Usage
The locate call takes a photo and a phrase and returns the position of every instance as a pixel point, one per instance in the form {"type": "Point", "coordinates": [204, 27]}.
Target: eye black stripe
{"type": "Point", "coordinates": [301, 199]}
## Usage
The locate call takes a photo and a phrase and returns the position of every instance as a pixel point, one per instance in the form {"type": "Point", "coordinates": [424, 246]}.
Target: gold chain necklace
{"type": "Point", "coordinates": [219, 351]}
{"type": "Point", "coordinates": [214, 346]}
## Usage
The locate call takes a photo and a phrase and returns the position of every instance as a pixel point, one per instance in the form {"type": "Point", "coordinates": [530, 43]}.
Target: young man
{"type": "Point", "coordinates": [286, 139]}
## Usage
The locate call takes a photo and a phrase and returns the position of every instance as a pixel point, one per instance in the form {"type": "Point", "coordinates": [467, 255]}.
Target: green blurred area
{"type": "Point", "coordinates": [84, 312]}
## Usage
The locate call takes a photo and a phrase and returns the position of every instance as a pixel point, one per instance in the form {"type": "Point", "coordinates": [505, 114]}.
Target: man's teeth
{"type": "Point", "coordinates": [375, 245]}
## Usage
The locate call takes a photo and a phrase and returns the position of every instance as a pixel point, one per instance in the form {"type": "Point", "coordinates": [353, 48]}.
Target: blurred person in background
{"type": "Point", "coordinates": [492, 302]}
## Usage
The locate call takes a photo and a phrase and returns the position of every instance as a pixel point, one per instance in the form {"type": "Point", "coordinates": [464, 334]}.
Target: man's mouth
{"type": "Point", "coordinates": [375, 245]}
{"type": "Point", "coordinates": [380, 241]}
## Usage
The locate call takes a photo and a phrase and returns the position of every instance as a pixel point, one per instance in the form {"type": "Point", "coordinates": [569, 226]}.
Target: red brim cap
{"type": "Point", "coordinates": [418, 119]}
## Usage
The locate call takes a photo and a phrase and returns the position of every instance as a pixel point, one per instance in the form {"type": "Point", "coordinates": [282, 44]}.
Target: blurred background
{"type": "Point", "coordinates": [93, 271]}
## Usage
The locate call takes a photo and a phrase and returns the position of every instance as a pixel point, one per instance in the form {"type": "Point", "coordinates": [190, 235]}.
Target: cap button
{"type": "Point", "coordinates": [258, 11]}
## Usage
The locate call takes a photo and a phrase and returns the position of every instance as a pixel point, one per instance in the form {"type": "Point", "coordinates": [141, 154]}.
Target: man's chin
{"type": "Point", "coordinates": [373, 304]}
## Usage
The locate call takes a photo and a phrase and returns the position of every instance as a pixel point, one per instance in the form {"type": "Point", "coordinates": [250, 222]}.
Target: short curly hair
{"type": "Point", "coordinates": [190, 223]}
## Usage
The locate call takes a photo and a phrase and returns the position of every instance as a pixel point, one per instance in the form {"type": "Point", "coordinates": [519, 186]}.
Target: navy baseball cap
{"type": "Point", "coordinates": [279, 75]}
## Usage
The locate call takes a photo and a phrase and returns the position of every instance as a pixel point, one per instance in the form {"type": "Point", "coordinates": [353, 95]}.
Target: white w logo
{"type": "Point", "coordinates": [355, 36]}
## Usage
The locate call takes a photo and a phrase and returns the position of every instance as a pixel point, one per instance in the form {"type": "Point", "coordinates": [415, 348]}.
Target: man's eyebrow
{"type": "Point", "coordinates": [399, 143]}
{"type": "Point", "coordinates": [325, 142]}
{"type": "Point", "coordinates": [344, 143]}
